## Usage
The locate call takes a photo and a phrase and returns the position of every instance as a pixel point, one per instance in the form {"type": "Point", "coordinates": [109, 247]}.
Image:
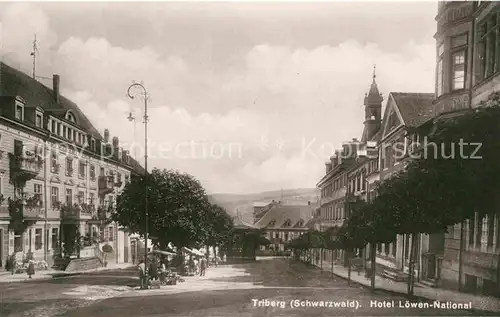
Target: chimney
{"type": "Point", "coordinates": [116, 142]}
{"type": "Point", "coordinates": [309, 203]}
{"type": "Point", "coordinates": [106, 135]}
{"type": "Point", "coordinates": [55, 87]}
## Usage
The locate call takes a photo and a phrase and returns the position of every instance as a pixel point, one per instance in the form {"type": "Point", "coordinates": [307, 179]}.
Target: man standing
{"type": "Point", "coordinates": [203, 266]}
{"type": "Point", "coordinates": [142, 274]}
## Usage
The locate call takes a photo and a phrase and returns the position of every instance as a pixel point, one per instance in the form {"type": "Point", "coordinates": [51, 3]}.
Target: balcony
{"type": "Point", "coordinates": [25, 166]}
{"type": "Point", "coordinates": [70, 212]}
{"type": "Point", "coordinates": [77, 211]}
{"type": "Point", "coordinates": [105, 185]}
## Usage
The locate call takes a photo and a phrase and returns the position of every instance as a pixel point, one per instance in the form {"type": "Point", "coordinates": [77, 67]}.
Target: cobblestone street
{"type": "Point", "coordinates": [229, 290]}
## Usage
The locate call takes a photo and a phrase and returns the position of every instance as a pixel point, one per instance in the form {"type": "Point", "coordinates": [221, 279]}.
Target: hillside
{"type": "Point", "coordinates": [243, 203]}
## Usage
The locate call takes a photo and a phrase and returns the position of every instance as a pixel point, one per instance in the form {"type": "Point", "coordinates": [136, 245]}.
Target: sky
{"type": "Point", "coordinates": [246, 97]}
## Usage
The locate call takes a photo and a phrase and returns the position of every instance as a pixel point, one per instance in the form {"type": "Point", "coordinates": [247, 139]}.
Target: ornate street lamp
{"type": "Point", "coordinates": [144, 95]}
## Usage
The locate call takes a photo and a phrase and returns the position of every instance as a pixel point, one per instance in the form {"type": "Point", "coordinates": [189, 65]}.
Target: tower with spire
{"type": "Point", "coordinates": [373, 110]}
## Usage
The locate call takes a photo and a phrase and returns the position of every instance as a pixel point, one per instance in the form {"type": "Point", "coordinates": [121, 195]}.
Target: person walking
{"type": "Point", "coordinates": [31, 269]}
{"type": "Point", "coordinates": [142, 274]}
{"type": "Point", "coordinates": [203, 266]}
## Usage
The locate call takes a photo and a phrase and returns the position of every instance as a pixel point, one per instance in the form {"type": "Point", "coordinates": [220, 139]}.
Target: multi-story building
{"type": "Point", "coordinates": [383, 147]}
{"type": "Point", "coordinates": [282, 222]}
{"type": "Point", "coordinates": [402, 112]}
{"type": "Point", "coordinates": [58, 175]}
{"type": "Point", "coordinates": [467, 72]}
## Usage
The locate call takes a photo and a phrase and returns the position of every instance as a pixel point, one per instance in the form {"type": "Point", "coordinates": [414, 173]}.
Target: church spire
{"type": "Point", "coordinates": [373, 94]}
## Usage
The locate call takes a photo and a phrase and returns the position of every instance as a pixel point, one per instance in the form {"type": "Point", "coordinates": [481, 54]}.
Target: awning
{"type": "Point", "coordinates": [194, 252]}
{"type": "Point", "coordinates": [161, 252]}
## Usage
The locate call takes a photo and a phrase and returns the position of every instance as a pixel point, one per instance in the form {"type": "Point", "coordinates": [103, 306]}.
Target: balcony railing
{"type": "Point", "coordinates": [26, 164]}
{"type": "Point", "coordinates": [105, 185]}
{"type": "Point", "coordinates": [78, 211]}
{"type": "Point", "coordinates": [70, 211]}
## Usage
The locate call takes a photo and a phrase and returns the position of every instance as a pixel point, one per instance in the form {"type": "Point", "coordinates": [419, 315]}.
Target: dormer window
{"type": "Point", "coordinates": [19, 111]}
{"type": "Point", "coordinates": [38, 120]}
{"type": "Point", "coordinates": [70, 117]}
{"type": "Point", "coordinates": [92, 145]}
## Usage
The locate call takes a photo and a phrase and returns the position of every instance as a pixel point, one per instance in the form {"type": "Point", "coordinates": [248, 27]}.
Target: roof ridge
{"type": "Point", "coordinates": [411, 93]}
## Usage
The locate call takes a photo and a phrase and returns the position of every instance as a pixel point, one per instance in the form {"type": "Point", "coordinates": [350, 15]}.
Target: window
{"type": "Point", "coordinates": [92, 145]}
{"type": "Point", "coordinates": [110, 234]}
{"type": "Point", "coordinates": [38, 239]}
{"type": "Point", "coordinates": [81, 197]}
{"type": "Point", "coordinates": [91, 198]}
{"type": "Point", "coordinates": [458, 53]}
{"type": "Point", "coordinates": [69, 197]}
{"type": "Point", "coordinates": [439, 70]}
{"type": "Point", "coordinates": [490, 229]}
{"type": "Point", "coordinates": [69, 166]}
{"type": "Point", "coordinates": [54, 166]}
{"type": "Point", "coordinates": [53, 125]}
{"type": "Point", "coordinates": [54, 196]}
{"type": "Point", "coordinates": [92, 172]}
{"type": "Point", "coordinates": [101, 234]}
{"type": "Point", "coordinates": [37, 190]}
{"type": "Point", "coordinates": [102, 172]}
{"type": "Point", "coordinates": [55, 238]}
{"type": "Point", "coordinates": [70, 134]}
{"type": "Point", "coordinates": [19, 111]}
{"type": "Point", "coordinates": [38, 120]}
{"type": "Point", "coordinates": [472, 226]}
{"type": "Point", "coordinates": [64, 131]}
{"type": "Point", "coordinates": [74, 135]}
{"type": "Point", "coordinates": [487, 48]}
{"type": "Point", "coordinates": [81, 170]}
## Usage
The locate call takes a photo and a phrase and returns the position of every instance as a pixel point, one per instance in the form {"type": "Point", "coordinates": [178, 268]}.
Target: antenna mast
{"type": "Point", "coordinates": [33, 53]}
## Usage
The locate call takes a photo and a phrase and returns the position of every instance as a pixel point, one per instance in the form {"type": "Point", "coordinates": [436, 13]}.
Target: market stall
{"type": "Point", "coordinates": [166, 275]}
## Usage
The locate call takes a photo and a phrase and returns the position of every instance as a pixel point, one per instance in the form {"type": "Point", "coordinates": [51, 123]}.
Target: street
{"type": "Point", "coordinates": [229, 290]}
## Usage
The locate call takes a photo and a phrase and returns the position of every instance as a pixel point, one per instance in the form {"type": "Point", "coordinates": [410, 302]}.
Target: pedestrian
{"type": "Point", "coordinates": [216, 260]}
{"type": "Point", "coordinates": [153, 270]}
{"type": "Point", "coordinates": [31, 268]}
{"type": "Point", "coordinates": [142, 274]}
{"type": "Point", "coordinates": [203, 266]}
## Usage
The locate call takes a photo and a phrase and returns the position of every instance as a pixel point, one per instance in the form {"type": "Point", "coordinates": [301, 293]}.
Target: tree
{"type": "Point", "coordinates": [177, 207]}
{"type": "Point", "coordinates": [219, 226]}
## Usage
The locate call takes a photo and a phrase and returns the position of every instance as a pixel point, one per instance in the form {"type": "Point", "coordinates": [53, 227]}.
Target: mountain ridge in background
{"type": "Point", "coordinates": [242, 204]}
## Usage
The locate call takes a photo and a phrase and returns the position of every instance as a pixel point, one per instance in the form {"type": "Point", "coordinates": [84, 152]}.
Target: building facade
{"type": "Point", "coordinates": [283, 223]}
{"type": "Point", "coordinates": [57, 173]}
{"type": "Point", "coordinates": [467, 72]}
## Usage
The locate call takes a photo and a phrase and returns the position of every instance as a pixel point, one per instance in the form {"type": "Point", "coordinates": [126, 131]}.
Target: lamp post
{"type": "Point", "coordinates": [146, 215]}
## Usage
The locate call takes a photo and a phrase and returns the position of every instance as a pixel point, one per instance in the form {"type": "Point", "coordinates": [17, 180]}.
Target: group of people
{"type": "Point", "coordinates": [153, 273]}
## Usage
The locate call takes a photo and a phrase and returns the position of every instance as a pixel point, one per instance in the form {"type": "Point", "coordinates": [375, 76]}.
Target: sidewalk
{"type": "Point", "coordinates": [478, 302]}
{"type": "Point", "coordinates": [7, 277]}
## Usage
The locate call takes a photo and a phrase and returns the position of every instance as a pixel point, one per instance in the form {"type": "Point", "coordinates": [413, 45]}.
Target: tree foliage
{"type": "Point", "coordinates": [453, 174]}
{"type": "Point", "coordinates": [178, 208]}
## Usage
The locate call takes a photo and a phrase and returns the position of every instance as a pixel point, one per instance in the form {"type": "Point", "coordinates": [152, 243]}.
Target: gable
{"type": "Point", "coordinates": [392, 118]}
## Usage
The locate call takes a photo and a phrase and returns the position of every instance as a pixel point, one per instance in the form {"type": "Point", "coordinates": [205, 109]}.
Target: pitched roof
{"type": "Point", "coordinates": [240, 224]}
{"type": "Point", "coordinates": [415, 108]}
{"type": "Point", "coordinates": [16, 83]}
{"type": "Point", "coordinates": [278, 215]}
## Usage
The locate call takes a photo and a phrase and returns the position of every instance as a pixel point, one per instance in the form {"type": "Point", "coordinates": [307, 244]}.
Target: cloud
{"type": "Point", "coordinates": [311, 98]}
